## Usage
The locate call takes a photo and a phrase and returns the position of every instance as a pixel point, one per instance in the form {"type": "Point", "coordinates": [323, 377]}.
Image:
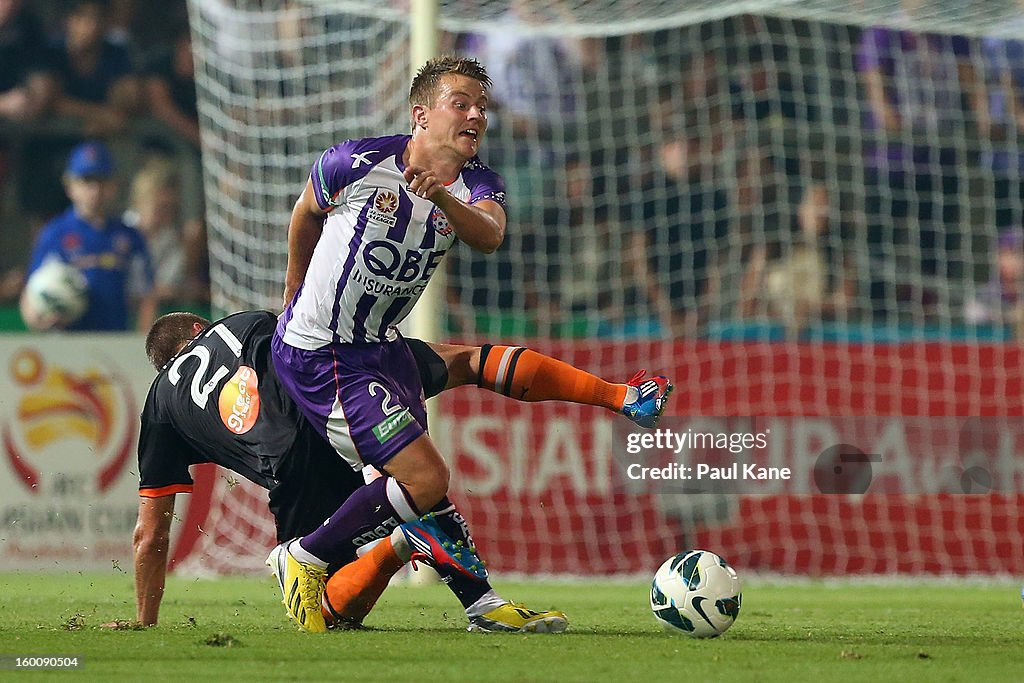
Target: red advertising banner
{"type": "Point", "coordinates": [543, 493]}
{"type": "Point", "coordinates": [544, 490]}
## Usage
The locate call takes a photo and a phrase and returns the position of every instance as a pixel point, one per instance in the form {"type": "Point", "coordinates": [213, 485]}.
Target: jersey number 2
{"type": "Point", "coordinates": [386, 404]}
{"type": "Point", "coordinates": [201, 390]}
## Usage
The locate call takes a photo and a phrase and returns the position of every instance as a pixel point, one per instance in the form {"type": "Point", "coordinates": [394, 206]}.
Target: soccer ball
{"type": "Point", "coordinates": [697, 593]}
{"type": "Point", "coordinates": [56, 295]}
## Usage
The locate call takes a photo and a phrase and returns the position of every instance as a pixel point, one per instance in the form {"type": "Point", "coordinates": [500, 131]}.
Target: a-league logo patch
{"type": "Point", "coordinates": [439, 222]}
{"type": "Point", "coordinates": [386, 202]}
{"type": "Point", "coordinates": [385, 206]}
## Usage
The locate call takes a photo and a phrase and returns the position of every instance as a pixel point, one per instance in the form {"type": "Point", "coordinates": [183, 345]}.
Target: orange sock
{"type": "Point", "coordinates": [352, 591]}
{"type": "Point", "coordinates": [526, 375]}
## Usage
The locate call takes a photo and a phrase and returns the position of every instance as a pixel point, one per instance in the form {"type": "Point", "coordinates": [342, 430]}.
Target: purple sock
{"type": "Point", "coordinates": [372, 512]}
{"type": "Point", "coordinates": [468, 591]}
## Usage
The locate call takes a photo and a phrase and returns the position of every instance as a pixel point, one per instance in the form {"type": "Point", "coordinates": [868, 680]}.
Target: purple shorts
{"type": "Point", "coordinates": [365, 399]}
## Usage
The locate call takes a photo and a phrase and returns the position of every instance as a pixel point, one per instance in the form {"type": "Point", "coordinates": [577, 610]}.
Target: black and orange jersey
{"type": "Point", "coordinates": [219, 401]}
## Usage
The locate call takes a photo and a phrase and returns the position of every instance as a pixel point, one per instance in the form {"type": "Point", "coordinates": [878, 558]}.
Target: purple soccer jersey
{"type": "Point", "coordinates": [380, 243]}
{"type": "Point", "coordinates": [337, 351]}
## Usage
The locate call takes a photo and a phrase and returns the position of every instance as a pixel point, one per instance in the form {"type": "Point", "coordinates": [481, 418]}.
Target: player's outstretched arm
{"type": "Point", "coordinates": [304, 230]}
{"type": "Point", "coordinates": [151, 543]}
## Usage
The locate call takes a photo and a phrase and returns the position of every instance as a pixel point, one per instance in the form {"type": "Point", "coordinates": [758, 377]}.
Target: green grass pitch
{"type": "Point", "coordinates": [235, 629]}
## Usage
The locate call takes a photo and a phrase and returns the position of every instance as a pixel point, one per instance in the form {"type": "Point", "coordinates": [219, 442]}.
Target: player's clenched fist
{"type": "Point", "coordinates": [423, 182]}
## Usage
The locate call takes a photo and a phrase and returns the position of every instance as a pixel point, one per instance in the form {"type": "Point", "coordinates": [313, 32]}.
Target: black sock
{"type": "Point", "coordinates": [467, 590]}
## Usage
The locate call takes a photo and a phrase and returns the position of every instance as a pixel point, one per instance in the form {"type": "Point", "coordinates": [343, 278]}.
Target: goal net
{"type": "Point", "coordinates": [801, 209]}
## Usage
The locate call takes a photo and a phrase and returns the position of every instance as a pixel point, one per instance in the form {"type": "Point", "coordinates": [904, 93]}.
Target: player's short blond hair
{"type": "Point", "coordinates": [426, 83]}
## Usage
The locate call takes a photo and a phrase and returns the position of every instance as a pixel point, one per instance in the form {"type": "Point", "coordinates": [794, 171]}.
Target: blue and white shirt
{"type": "Point", "coordinates": [380, 243]}
{"type": "Point", "coordinates": [114, 259]}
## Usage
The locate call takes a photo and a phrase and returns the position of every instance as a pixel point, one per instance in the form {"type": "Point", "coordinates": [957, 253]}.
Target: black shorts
{"type": "Point", "coordinates": [313, 482]}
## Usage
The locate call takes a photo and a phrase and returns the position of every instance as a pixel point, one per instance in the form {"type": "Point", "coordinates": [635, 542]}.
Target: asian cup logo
{"type": "Point", "coordinates": [60, 409]}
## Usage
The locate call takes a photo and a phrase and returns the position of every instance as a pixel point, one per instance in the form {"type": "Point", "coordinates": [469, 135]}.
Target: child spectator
{"type": "Point", "coordinates": [111, 255]}
{"type": "Point", "coordinates": [156, 212]}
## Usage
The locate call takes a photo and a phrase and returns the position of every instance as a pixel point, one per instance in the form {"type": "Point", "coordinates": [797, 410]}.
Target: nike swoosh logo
{"type": "Point", "coordinates": [696, 602]}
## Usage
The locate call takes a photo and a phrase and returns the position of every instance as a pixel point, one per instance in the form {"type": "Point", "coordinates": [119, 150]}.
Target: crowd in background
{"type": "Point", "coordinates": [671, 182]}
{"type": "Point", "coordinates": [756, 171]}
{"type": "Point", "coordinates": [111, 82]}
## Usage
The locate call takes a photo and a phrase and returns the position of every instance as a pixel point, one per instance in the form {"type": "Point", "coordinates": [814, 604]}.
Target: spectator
{"type": "Point", "coordinates": [809, 280]}
{"type": "Point", "coordinates": [575, 233]}
{"type": "Point", "coordinates": [145, 24]}
{"type": "Point", "coordinates": [755, 223]}
{"type": "Point", "coordinates": [27, 82]}
{"type": "Point", "coordinates": [111, 255]}
{"type": "Point", "coordinates": [684, 220]}
{"type": "Point", "coordinates": [1001, 301]}
{"type": "Point", "coordinates": [583, 259]}
{"type": "Point", "coordinates": [764, 85]}
{"type": "Point", "coordinates": [170, 89]}
{"type": "Point", "coordinates": [27, 89]}
{"type": "Point", "coordinates": [1002, 122]}
{"type": "Point", "coordinates": [533, 74]}
{"type": "Point", "coordinates": [155, 211]}
{"type": "Point", "coordinates": [98, 82]}
{"type": "Point", "coordinates": [916, 85]}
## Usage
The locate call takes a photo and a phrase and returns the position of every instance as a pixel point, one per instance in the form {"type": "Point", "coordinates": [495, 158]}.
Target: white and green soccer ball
{"type": "Point", "coordinates": [697, 593]}
{"type": "Point", "coordinates": [56, 295]}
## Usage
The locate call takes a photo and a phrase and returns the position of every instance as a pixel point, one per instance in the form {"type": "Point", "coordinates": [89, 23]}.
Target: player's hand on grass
{"type": "Point", "coordinates": [124, 625]}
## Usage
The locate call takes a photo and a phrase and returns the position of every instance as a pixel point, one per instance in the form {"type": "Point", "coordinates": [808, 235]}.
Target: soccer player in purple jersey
{"type": "Point", "coordinates": [367, 232]}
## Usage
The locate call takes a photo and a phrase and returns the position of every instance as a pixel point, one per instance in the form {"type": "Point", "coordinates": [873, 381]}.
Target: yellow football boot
{"type": "Point", "coordinates": [515, 618]}
{"type": "Point", "coordinates": [302, 586]}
